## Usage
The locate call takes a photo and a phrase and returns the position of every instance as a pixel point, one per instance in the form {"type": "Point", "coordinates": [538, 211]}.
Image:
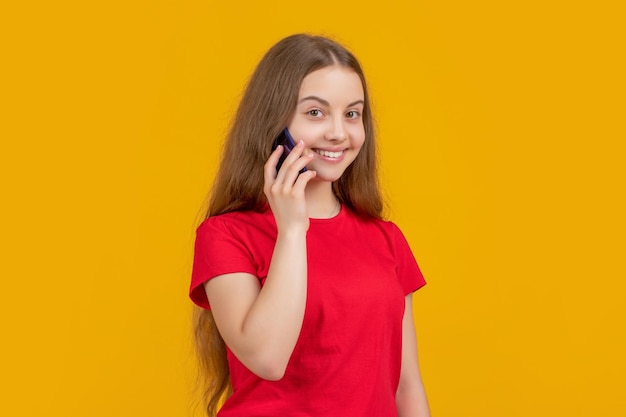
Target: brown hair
{"type": "Point", "coordinates": [267, 106]}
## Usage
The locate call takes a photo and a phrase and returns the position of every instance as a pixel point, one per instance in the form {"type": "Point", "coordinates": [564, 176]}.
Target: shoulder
{"type": "Point", "coordinates": [374, 231]}
{"type": "Point", "coordinates": [386, 227]}
{"type": "Point", "coordinates": [392, 234]}
{"type": "Point", "coordinates": [237, 221]}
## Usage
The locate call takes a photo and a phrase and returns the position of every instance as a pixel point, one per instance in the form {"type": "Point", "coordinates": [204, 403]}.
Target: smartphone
{"type": "Point", "coordinates": [285, 139]}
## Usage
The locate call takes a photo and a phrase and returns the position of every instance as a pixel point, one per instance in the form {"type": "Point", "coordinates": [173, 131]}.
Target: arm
{"type": "Point", "coordinates": [261, 325]}
{"type": "Point", "coordinates": [410, 397]}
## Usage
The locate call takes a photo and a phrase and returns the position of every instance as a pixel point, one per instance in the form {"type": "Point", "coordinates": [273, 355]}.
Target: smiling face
{"type": "Point", "coordinates": [329, 120]}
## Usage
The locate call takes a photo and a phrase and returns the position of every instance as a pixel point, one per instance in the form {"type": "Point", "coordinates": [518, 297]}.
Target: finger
{"type": "Point", "coordinates": [302, 180]}
{"type": "Point", "coordinates": [269, 169]}
{"type": "Point", "coordinates": [293, 170]}
{"type": "Point", "coordinates": [293, 156]}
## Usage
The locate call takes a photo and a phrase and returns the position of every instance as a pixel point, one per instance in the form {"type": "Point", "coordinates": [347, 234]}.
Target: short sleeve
{"type": "Point", "coordinates": [217, 251]}
{"type": "Point", "coordinates": [407, 270]}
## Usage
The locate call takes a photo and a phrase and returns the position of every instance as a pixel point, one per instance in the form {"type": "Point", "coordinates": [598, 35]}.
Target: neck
{"type": "Point", "coordinates": [320, 200]}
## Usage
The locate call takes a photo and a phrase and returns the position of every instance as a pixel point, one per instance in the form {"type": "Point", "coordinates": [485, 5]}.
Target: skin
{"type": "Point", "coordinates": [261, 325]}
{"type": "Point", "coordinates": [411, 398]}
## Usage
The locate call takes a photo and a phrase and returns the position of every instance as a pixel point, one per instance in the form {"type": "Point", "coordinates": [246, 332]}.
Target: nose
{"type": "Point", "coordinates": [336, 130]}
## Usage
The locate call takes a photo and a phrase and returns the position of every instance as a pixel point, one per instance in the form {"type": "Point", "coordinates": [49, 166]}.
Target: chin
{"type": "Point", "coordinates": [326, 177]}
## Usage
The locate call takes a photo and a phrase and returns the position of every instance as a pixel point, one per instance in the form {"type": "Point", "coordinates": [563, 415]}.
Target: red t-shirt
{"type": "Point", "coordinates": [346, 362]}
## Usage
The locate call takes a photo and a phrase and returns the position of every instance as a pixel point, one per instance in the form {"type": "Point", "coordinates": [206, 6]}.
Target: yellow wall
{"type": "Point", "coordinates": [502, 130]}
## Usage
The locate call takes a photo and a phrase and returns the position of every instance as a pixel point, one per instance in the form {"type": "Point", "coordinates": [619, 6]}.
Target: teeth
{"type": "Point", "coordinates": [329, 154]}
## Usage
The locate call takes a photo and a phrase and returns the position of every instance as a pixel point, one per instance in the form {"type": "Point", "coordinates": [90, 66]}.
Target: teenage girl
{"type": "Point", "coordinates": [305, 291]}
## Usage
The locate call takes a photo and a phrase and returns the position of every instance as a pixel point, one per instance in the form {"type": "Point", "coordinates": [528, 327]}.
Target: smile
{"type": "Point", "coordinates": [329, 154]}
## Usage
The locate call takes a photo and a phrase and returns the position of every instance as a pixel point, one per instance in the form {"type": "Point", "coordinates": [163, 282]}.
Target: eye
{"type": "Point", "coordinates": [314, 113]}
{"type": "Point", "coordinates": [353, 114]}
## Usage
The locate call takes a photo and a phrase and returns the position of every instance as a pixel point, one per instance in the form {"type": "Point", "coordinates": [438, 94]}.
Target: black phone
{"type": "Point", "coordinates": [285, 139]}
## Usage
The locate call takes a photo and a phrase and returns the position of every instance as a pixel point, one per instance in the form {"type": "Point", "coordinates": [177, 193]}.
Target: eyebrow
{"type": "Point", "coordinates": [326, 103]}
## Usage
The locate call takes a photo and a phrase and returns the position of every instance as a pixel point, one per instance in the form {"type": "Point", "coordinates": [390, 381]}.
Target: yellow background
{"type": "Point", "coordinates": [501, 136]}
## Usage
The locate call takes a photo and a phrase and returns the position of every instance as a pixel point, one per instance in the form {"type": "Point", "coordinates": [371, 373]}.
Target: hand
{"type": "Point", "coordinates": [285, 190]}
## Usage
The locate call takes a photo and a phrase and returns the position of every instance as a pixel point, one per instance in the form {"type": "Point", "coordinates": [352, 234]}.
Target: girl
{"type": "Point", "coordinates": [305, 292]}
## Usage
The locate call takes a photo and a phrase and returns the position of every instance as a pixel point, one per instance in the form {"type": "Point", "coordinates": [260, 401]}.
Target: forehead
{"type": "Point", "coordinates": [334, 83]}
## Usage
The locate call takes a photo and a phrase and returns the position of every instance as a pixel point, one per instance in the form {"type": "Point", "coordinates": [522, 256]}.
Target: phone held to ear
{"type": "Point", "coordinates": [285, 139]}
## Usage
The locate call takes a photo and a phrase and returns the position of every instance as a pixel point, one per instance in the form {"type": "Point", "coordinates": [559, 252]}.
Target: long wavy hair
{"type": "Point", "coordinates": [267, 106]}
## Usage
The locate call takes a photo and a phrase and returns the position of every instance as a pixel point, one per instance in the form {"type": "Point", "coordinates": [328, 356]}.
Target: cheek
{"type": "Point", "coordinates": [303, 132]}
{"type": "Point", "coordinates": [357, 135]}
